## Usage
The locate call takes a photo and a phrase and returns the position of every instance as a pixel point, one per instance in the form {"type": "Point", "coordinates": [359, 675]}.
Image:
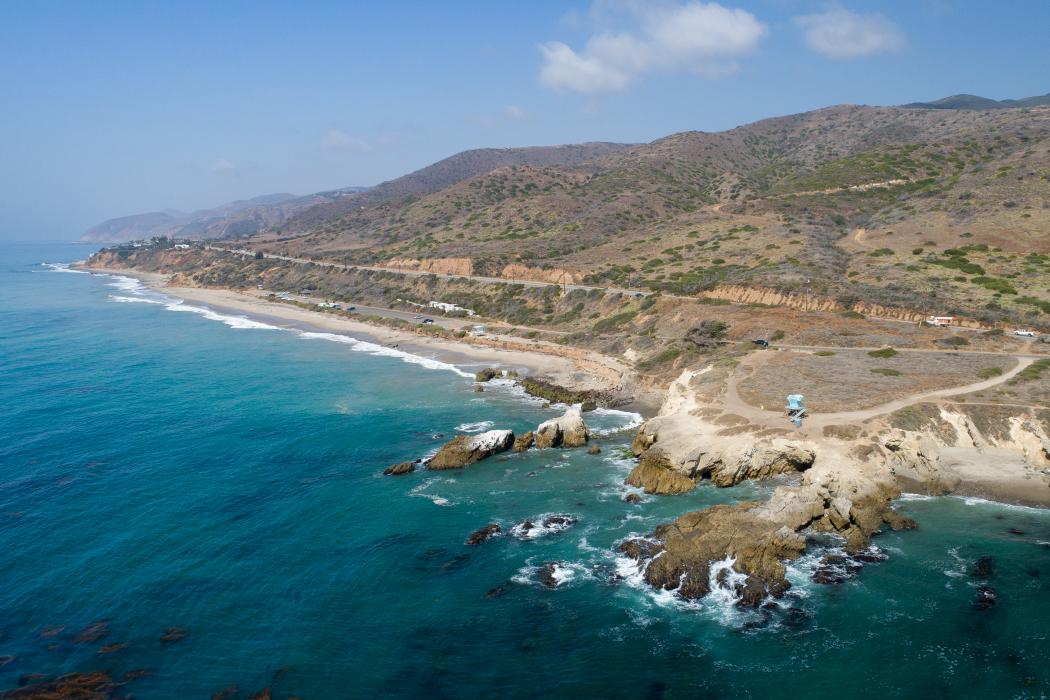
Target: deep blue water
{"type": "Point", "coordinates": [166, 469]}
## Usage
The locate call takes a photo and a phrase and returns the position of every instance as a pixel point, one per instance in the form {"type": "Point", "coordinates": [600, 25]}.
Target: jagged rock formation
{"type": "Point", "coordinates": [656, 474]}
{"type": "Point", "coordinates": [524, 442]}
{"type": "Point", "coordinates": [566, 431]}
{"type": "Point", "coordinates": [464, 450]}
{"type": "Point", "coordinates": [704, 549]}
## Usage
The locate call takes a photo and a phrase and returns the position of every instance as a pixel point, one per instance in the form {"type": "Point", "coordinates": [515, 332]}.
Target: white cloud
{"type": "Point", "coordinates": [699, 37]}
{"type": "Point", "coordinates": [840, 34]}
{"type": "Point", "coordinates": [515, 112]}
{"type": "Point", "coordinates": [337, 140]}
{"type": "Point", "coordinates": [223, 166]}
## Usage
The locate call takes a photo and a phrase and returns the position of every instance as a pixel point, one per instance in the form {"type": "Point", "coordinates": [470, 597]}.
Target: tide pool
{"type": "Point", "coordinates": [167, 466]}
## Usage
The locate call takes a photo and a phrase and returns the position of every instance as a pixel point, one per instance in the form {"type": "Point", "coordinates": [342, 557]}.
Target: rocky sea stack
{"type": "Point", "coordinates": [567, 431]}
{"type": "Point", "coordinates": [464, 450]}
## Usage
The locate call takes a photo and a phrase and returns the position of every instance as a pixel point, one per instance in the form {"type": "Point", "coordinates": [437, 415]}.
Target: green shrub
{"type": "Point", "coordinates": [886, 371]}
{"type": "Point", "coordinates": [777, 335]}
{"type": "Point", "coordinates": [824, 353]}
{"type": "Point", "coordinates": [614, 322]}
{"type": "Point", "coordinates": [995, 284]}
{"type": "Point", "coordinates": [989, 372]}
{"type": "Point", "coordinates": [852, 314]}
{"type": "Point", "coordinates": [884, 353]}
{"type": "Point", "coordinates": [1032, 372]}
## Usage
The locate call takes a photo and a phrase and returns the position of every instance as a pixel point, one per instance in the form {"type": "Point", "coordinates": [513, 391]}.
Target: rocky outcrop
{"type": "Point", "coordinates": [742, 547]}
{"type": "Point", "coordinates": [567, 431]}
{"type": "Point", "coordinates": [464, 450]}
{"type": "Point", "coordinates": [726, 464]}
{"type": "Point", "coordinates": [541, 388]}
{"type": "Point", "coordinates": [441, 266]}
{"type": "Point", "coordinates": [487, 374]}
{"type": "Point", "coordinates": [484, 533]}
{"type": "Point", "coordinates": [656, 474]}
{"type": "Point", "coordinates": [400, 468]}
{"type": "Point", "coordinates": [733, 464]}
{"type": "Point", "coordinates": [524, 442]}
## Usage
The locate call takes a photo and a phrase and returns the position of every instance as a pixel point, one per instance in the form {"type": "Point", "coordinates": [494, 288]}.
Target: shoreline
{"type": "Point", "coordinates": [574, 369]}
{"type": "Point", "coordinates": [578, 369]}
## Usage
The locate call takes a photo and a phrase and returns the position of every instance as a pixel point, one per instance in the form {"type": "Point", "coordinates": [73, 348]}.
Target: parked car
{"type": "Point", "coordinates": [761, 342]}
{"type": "Point", "coordinates": [1024, 333]}
{"type": "Point", "coordinates": [428, 321]}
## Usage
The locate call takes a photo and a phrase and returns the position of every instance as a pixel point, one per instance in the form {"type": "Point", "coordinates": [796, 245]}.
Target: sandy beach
{"type": "Point", "coordinates": [572, 368]}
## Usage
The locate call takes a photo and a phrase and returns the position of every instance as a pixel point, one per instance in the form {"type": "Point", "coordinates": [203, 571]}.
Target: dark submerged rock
{"type": "Point", "coordinates": [984, 568]}
{"type": "Point", "coordinates": [79, 686]}
{"type": "Point", "coordinates": [172, 634]}
{"type": "Point", "coordinates": [485, 533]}
{"type": "Point", "coordinates": [92, 633]}
{"type": "Point", "coordinates": [111, 648]}
{"type": "Point", "coordinates": [632, 498]}
{"type": "Point", "coordinates": [985, 599]}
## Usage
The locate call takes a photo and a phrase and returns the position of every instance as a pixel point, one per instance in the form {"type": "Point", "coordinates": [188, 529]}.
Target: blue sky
{"type": "Point", "coordinates": [112, 108]}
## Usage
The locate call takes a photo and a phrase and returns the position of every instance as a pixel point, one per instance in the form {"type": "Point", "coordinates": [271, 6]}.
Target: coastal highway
{"type": "Point", "coordinates": [441, 275]}
{"type": "Point", "coordinates": [502, 280]}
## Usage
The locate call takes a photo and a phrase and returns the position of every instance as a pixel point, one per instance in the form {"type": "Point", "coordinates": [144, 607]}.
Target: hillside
{"type": "Point", "coordinates": [922, 208]}
{"type": "Point", "coordinates": [449, 172]}
{"type": "Point", "coordinates": [976, 102]}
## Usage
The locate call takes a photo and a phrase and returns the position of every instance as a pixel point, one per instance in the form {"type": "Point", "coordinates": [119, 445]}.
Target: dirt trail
{"type": "Point", "coordinates": [733, 403]}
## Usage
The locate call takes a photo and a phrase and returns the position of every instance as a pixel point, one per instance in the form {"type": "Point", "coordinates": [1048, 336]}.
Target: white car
{"type": "Point", "coordinates": [1024, 333]}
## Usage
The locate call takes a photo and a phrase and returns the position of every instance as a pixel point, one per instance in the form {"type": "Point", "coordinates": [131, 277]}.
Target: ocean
{"type": "Point", "coordinates": [173, 470]}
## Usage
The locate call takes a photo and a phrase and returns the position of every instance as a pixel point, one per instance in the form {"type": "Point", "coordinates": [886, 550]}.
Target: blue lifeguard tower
{"type": "Point", "coordinates": [796, 409]}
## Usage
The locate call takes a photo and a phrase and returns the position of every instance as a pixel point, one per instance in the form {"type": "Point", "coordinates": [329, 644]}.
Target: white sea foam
{"type": "Point", "coordinates": [63, 267]}
{"type": "Point", "coordinates": [561, 573]}
{"type": "Point", "coordinates": [125, 284]}
{"type": "Point", "coordinates": [238, 322]}
{"type": "Point", "coordinates": [915, 497]}
{"type": "Point", "coordinates": [145, 295]}
{"type": "Point", "coordinates": [383, 351]}
{"type": "Point", "coordinates": [420, 491]}
{"type": "Point", "coordinates": [541, 526]}
{"type": "Point", "coordinates": [974, 501]}
{"type": "Point", "coordinates": [474, 427]}
{"type": "Point", "coordinates": [630, 420]}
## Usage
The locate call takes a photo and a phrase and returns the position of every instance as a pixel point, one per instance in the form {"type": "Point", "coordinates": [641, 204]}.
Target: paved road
{"type": "Point", "coordinates": [527, 283]}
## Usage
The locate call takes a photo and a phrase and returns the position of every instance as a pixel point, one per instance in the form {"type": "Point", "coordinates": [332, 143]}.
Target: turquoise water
{"type": "Point", "coordinates": [162, 469]}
